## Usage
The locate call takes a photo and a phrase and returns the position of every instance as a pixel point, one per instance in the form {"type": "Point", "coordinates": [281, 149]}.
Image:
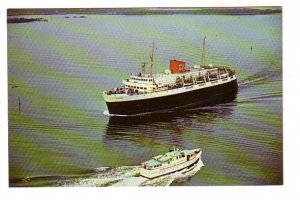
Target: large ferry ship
{"type": "Point", "coordinates": [179, 86]}
{"type": "Point", "coordinates": [170, 162]}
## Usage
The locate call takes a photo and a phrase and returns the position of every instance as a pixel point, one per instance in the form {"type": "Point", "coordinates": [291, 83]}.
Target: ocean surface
{"type": "Point", "coordinates": [60, 134]}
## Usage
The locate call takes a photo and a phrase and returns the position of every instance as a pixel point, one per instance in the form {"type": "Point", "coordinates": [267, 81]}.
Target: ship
{"type": "Point", "coordinates": [180, 86]}
{"type": "Point", "coordinates": [173, 161]}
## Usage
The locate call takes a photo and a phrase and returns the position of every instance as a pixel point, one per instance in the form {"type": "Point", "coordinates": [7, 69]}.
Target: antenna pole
{"type": "Point", "coordinates": [152, 58]}
{"type": "Point", "coordinates": [203, 53]}
{"type": "Point", "coordinates": [143, 69]}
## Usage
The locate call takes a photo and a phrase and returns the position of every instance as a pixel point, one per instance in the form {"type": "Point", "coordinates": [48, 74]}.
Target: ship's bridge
{"type": "Point", "coordinates": [142, 84]}
{"type": "Point", "coordinates": [146, 79]}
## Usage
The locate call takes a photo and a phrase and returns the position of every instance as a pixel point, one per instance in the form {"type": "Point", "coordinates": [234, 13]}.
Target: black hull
{"type": "Point", "coordinates": [201, 97]}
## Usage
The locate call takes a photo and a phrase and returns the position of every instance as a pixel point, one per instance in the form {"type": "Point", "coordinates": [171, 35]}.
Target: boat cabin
{"type": "Point", "coordinates": [163, 160]}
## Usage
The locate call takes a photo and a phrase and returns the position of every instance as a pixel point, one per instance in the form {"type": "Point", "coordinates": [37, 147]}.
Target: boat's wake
{"type": "Point", "coordinates": [250, 81]}
{"type": "Point", "coordinates": [260, 78]}
{"type": "Point", "coordinates": [128, 176]}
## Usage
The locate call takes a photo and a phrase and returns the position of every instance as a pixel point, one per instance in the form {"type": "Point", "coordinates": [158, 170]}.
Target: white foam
{"type": "Point", "coordinates": [106, 113]}
{"type": "Point", "coordinates": [130, 181]}
{"type": "Point", "coordinates": [129, 176]}
{"type": "Point", "coordinates": [251, 81]}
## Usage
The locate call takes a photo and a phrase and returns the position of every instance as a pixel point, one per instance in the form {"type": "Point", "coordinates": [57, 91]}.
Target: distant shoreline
{"type": "Point", "coordinates": [147, 11]}
{"type": "Point", "coordinates": [25, 20]}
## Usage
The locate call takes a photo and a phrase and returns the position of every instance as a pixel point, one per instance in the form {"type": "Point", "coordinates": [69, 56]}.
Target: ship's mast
{"type": "Point", "coordinates": [203, 53]}
{"type": "Point", "coordinates": [143, 69]}
{"type": "Point", "coordinates": [151, 59]}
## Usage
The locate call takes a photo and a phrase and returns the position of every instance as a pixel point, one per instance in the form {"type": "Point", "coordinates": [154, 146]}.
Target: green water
{"type": "Point", "coordinates": [58, 69]}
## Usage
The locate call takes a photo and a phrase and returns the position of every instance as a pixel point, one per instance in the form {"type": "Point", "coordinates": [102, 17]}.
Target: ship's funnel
{"type": "Point", "coordinates": [177, 66]}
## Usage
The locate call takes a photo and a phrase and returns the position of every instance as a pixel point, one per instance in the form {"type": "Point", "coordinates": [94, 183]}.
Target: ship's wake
{"type": "Point", "coordinates": [128, 176]}
{"type": "Point", "coordinates": [251, 81]}
{"type": "Point", "coordinates": [260, 77]}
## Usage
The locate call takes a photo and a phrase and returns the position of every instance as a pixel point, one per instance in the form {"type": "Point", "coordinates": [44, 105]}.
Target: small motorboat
{"type": "Point", "coordinates": [173, 161]}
